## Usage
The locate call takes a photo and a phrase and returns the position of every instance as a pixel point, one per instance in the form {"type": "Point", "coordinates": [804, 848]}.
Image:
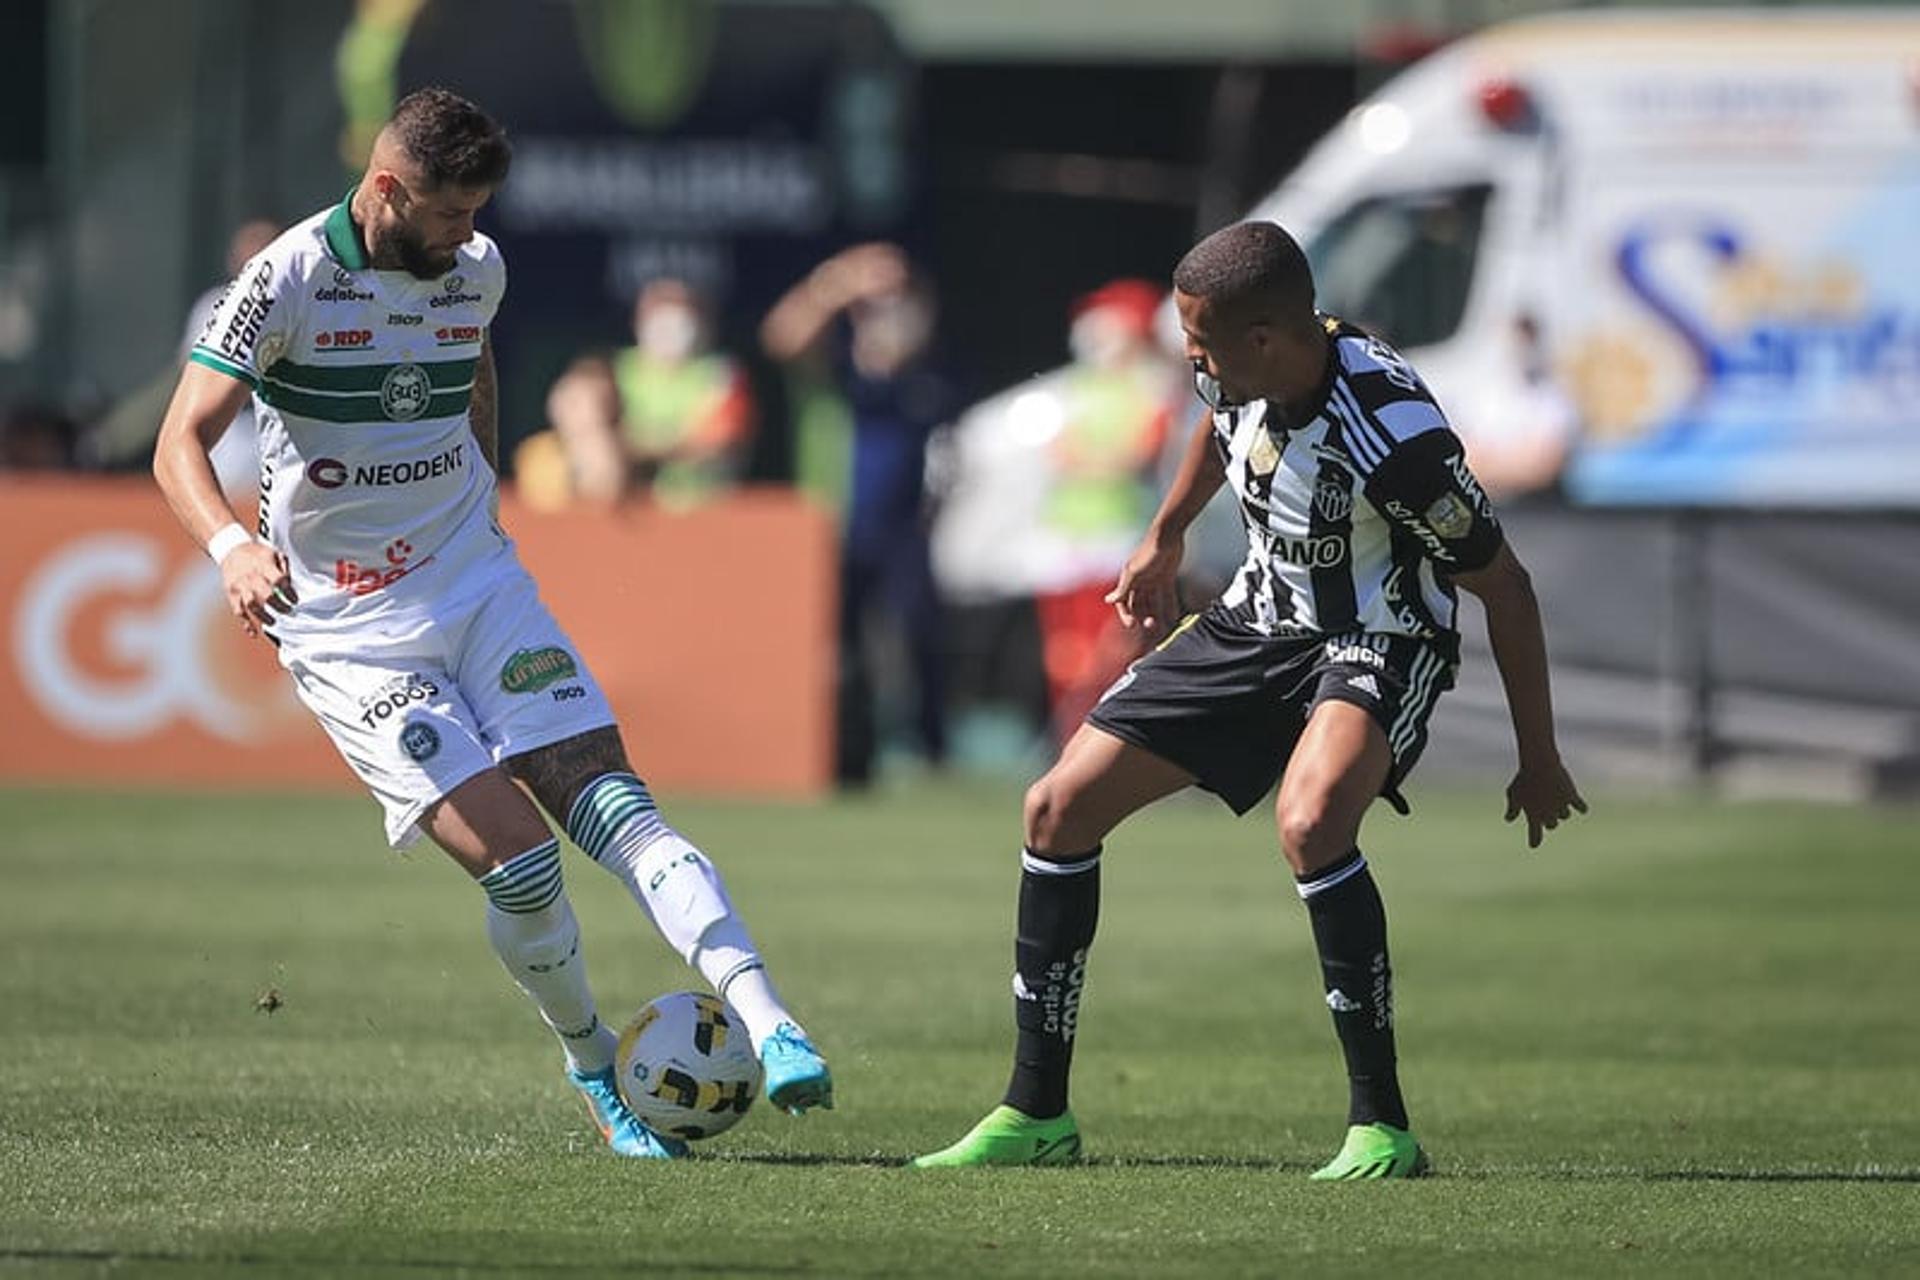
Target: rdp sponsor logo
{"type": "Point", "coordinates": [365, 579]}
{"type": "Point", "coordinates": [331, 473]}
{"type": "Point", "coordinates": [113, 648]}
{"type": "Point", "coordinates": [342, 289]}
{"type": "Point", "coordinates": [452, 293]}
{"type": "Point", "coordinates": [343, 339]}
{"type": "Point", "coordinates": [456, 335]}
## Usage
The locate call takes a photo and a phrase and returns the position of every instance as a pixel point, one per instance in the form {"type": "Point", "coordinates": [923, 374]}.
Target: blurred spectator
{"type": "Point", "coordinates": [124, 436]}
{"type": "Point", "coordinates": [668, 416]}
{"type": "Point", "coordinates": [869, 319]}
{"type": "Point", "coordinates": [1116, 401]}
{"type": "Point", "coordinates": [1520, 428]}
{"type": "Point", "coordinates": [36, 438]}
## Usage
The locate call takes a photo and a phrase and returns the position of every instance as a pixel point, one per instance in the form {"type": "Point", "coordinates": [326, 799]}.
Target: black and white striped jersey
{"type": "Point", "coordinates": [1357, 517]}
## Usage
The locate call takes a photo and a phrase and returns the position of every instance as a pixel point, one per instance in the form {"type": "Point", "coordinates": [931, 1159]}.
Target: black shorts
{"type": "Point", "coordinates": [1228, 704]}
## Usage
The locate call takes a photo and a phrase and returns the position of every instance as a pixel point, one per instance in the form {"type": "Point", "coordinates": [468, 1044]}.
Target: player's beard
{"type": "Point", "coordinates": [416, 259]}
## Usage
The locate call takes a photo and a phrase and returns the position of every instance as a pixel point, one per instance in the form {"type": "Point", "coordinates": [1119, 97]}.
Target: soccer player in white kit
{"type": "Point", "coordinates": [398, 604]}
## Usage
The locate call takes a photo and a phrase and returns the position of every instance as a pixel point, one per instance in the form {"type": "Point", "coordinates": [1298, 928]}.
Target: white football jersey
{"type": "Point", "coordinates": [371, 482]}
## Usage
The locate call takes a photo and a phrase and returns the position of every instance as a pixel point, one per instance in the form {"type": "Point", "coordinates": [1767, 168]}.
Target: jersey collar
{"type": "Point", "coordinates": [343, 237]}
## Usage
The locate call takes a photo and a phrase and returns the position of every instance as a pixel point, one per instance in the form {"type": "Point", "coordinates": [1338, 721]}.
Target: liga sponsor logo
{"type": "Point", "coordinates": [119, 649]}
{"type": "Point", "coordinates": [457, 335]}
{"type": "Point", "coordinates": [331, 473]}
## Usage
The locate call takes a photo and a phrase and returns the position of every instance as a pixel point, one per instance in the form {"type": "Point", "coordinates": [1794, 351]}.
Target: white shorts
{"type": "Point", "coordinates": [416, 718]}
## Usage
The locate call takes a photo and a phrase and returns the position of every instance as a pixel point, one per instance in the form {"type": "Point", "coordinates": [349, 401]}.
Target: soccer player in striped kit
{"type": "Point", "coordinates": [399, 606]}
{"type": "Point", "coordinates": [1317, 668]}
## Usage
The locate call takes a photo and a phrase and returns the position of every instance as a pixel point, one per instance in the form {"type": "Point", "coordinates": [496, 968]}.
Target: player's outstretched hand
{"type": "Point", "coordinates": [1145, 597]}
{"type": "Point", "coordinates": [257, 585]}
{"type": "Point", "coordinates": [1546, 794]}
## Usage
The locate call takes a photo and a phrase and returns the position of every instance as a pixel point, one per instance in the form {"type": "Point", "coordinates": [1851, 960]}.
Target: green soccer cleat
{"type": "Point", "coordinates": [1375, 1151]}
{"type": "Point", "coordinates": [1010, 1137]}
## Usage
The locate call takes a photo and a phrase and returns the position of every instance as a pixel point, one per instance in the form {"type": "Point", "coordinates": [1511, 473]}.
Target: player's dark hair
{"type": "Point", "coordinates": [454, 142]}
{"type": "Point", "coordinates": [1253, 271]}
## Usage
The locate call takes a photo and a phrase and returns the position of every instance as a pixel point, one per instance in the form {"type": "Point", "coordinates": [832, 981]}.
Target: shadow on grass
{"type": "Point", "coordinates": [1242, 1164]}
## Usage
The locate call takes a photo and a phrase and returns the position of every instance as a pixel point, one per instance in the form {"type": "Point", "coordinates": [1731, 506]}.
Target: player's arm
{"type": "Point", "coordinates": [1424, 486]}
{"type": "Point", "coordinates": [253, 574]}
{"type": "Point", "coordinates": [1144, 596]}
{"type": "Point", "coordinates": [1541, 788]}
{"type": "Point", "coordinates": [483, 405]}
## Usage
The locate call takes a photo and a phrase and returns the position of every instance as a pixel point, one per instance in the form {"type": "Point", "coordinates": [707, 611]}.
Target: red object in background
{"type": "Point", "coordinates": [1506, 104]}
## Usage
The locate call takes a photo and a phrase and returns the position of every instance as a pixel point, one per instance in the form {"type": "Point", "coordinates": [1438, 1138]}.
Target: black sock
{"type": "Point", "coordinates": [1059, 906]}
{"type": "Point", "coordinates": [1350, 930]}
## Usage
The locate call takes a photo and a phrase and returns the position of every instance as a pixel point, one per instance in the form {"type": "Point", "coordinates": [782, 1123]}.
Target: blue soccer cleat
{"type": "Point", "coordinates": [617, 1123]}
{"type": "Point", "coordinates": [797, 1076]}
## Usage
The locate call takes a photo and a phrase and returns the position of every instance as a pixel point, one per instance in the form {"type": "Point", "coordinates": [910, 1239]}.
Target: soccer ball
{"type": "Point", "coordinates": [686, 1066]}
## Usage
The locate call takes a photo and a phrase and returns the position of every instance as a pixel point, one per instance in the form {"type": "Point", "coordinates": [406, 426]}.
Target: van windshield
{"type": "Point", "coordinates": [1401, 265]}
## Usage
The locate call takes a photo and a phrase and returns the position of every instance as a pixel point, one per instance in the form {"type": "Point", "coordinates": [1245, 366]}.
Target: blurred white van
{"type": "Point", "coordinates": [1653, 257]}
{"type": "Point", "coordinates": [1702, 227]}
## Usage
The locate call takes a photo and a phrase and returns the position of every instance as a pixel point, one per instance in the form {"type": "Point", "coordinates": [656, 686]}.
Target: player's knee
{"type": "Point", "coordinates": [1049, 822]}
{"type": "Point", "coordinates": [1311, 834]}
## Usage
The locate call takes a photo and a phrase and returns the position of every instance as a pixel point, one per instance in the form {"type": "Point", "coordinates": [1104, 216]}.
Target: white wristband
{"type": "Point", "coordinates": [222, 544]}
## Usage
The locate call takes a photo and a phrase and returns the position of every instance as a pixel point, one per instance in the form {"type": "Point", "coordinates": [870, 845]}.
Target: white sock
{"type": "Point", "coordinates": [726, 958]}
{"type": "Point", "coordinates": [534, 932]}
{"type": "Point", "coordinates": [614, 820]}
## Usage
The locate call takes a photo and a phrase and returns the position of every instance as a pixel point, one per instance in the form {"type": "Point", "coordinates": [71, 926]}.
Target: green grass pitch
{"type": "Point", "coordinates": [1681, 1039]}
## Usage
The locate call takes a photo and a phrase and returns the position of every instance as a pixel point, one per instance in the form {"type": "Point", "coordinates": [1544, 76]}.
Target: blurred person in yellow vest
{"type": "Point", "coordinates": [1117, 400]}
{"type": "Point", "coordinates": [668, 416]}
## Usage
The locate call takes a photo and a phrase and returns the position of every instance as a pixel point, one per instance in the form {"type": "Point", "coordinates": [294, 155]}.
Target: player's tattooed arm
{"type": "Point", "coordinates": [483, 408]}
{"type": "Point", "coordinates": [555, 774]}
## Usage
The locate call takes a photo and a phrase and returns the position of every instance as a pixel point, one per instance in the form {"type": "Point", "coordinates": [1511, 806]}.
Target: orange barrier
{"type": "Point", "coordinates": [712, 632]}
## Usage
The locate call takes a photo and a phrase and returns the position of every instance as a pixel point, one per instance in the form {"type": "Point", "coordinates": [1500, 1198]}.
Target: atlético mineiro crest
{"type": "Point", "coordinates": [1333, 500]}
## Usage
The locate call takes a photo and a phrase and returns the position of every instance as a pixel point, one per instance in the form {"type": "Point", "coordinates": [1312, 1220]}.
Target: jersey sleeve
{"type": "Point", "coordinates": [248, 330]}
{"type": "Point", "coordinates": [1423, 486]}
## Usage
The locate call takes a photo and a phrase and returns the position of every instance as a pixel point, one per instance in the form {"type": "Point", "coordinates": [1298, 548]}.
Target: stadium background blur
{"type": "Point", "coordinates": [1728, 657]}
